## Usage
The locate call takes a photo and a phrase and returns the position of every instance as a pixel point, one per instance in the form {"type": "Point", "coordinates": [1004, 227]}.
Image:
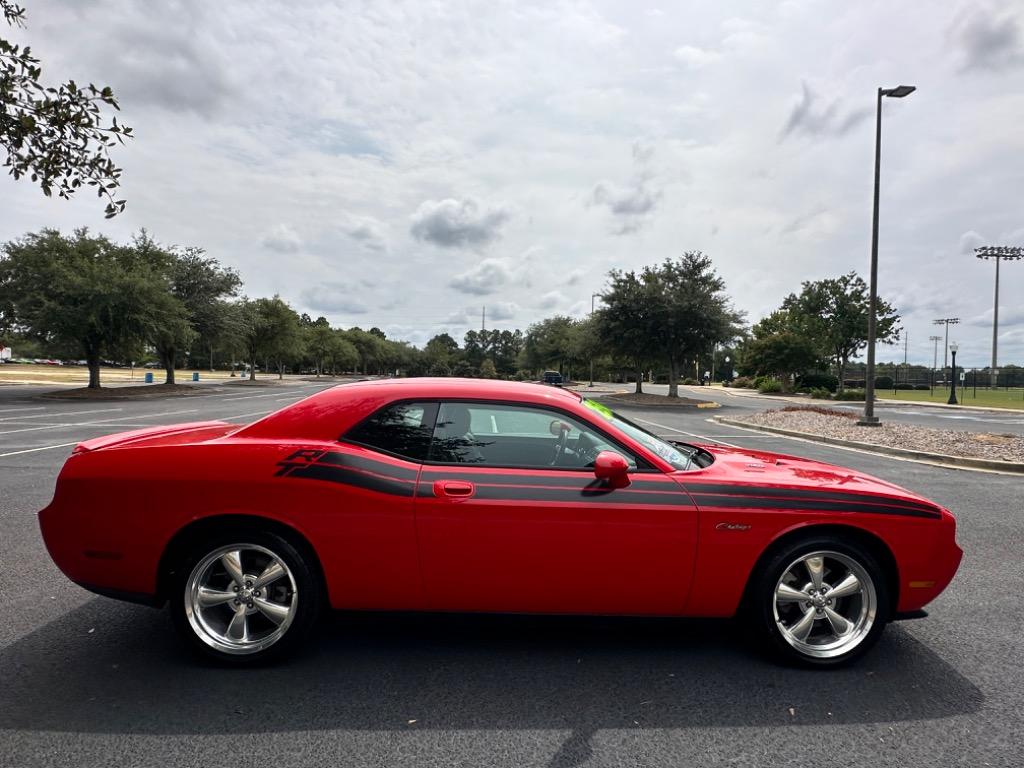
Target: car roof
{"type": "Point", "coordinates": [333, 411]}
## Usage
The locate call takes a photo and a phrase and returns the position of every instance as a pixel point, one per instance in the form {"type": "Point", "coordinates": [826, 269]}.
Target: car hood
{"type": "Point", "coordinates": [762, 468]}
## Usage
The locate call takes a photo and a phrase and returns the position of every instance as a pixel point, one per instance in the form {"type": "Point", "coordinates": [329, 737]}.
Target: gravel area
{"type": "Point", "coordinates": [839, 425]}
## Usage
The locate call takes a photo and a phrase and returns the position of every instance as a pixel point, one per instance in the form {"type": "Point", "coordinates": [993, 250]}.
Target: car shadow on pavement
{"type": "Point", "coordinates": [108, 667]}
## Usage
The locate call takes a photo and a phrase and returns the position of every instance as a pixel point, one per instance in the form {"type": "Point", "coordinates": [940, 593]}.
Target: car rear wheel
{"type": "Point", "coordinates": [244, 598]}
{"type": "Point", "coordinates": [821, 601]}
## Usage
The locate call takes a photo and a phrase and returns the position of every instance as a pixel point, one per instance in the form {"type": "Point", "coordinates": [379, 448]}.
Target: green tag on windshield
{"type": "Point", "coordinates": [601, 408]}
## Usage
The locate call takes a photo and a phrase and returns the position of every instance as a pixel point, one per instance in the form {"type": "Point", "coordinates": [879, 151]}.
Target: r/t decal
{"type": "Point", "coordinates": [301, 458]}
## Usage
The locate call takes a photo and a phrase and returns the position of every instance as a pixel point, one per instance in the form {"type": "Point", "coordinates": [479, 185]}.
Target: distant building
{"type": "Point", "coordinates": [5, 352]}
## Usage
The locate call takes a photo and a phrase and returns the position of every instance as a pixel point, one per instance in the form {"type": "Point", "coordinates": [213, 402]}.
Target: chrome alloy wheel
{"type": "Point", "coordinates": [825, 604]}
{"type": "Point", "coordinates": [241, 599]}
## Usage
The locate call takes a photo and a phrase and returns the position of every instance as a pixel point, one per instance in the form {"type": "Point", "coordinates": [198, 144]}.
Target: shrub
{"type": "Point", "coordinates": [921, 387]}
{"type": "Point", "coordinates": [850, 394]}
{"type": "Point", "coordinates": [819, 381]}
{"type": "Point", "coordinates": [903, 386]}
{"type": "Point", "coordinates": [820, 393]}
{"type": "Point", "coordinates": [743, 382]}
{"type": "Point", "coordinates": [854, 383]}
{"type": "Point", "coordinates": [689, 381]}
{"type": "Point", "coordinates": [522, 376]}
{"type": "Point", "coordinates": [769, 385]}
{"type": "Point", "coordinates": [883, 382]}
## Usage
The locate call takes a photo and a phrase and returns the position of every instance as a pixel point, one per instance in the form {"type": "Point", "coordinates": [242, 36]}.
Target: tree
{"type": "Point", "coordinates": [487, 369]}
{"type": "Point", "coordinates": [440, 353]}
{"type": "Point", "coordinates": [782, 354]}
{"type": "Point", "coordinates": [552, 342]}
{"type": "Point", "coordinates": [625, 322]}
{"type": "Point", "coordinates": [834, 313]}
{"type": "Point", "coordinates": [321, 342]}
{"type": "Point", "coordinates": [271, 331]}
{"type": "Point", "coordinates": [200, 286]}
{"type": "Point", "coordinates": [58, 136]}
{"type": "Point", "coordinates": [87, 294]}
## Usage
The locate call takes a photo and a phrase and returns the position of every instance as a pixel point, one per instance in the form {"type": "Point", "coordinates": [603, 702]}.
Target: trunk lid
{"type": "Point", "coordinates": [191, 432]}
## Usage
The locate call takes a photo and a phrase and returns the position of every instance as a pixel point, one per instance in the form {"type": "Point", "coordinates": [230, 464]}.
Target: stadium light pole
{"type": "Point", "coordinates": [946, 321]}
{"type": "Point", "coordinates": [997, 253]}
{"type": "Point", "coordinates": [869, 419]}
{"type": "Point", "coordinates": [935, 357]}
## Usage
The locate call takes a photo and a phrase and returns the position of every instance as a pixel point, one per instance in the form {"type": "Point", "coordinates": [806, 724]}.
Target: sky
{"type": "Point", "coordinates": [406, 165]}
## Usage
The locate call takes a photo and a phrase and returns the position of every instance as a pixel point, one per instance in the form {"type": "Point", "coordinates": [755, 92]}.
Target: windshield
{"type": "Point", "coordinates": [679, 457]}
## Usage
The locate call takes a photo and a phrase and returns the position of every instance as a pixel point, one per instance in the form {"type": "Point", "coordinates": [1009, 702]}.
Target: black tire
{"type": "Point", "coordinates": [300, 585]}
{"type": "Point", "coordinates": [777, 620]}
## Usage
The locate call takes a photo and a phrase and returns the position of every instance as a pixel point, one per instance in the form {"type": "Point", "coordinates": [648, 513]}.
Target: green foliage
{"type": "Point", "coordinates": [487, 370]}
{"type": "Point", "coordinates": [270, 332]}
{"type": "Point", "coordinates": [742, 382]}
{"type": "Point", "coordinates": [818, 380]}
{"type": "Point", "coordinates": [820, 393]}
{"type": "Point", "coordinates": [88, 294]}
{"type": "Point", "coordinates": [883, 382]}
{"type": "Point", "coordinates": [769, 385]}
{"type": "Point", "coordinates": [58, 136]}
{"type": "Point", "coordinates": [781, 353]}
{"type": "Point", "coordinates": [834, 313]}
{"type": "Point", "coordinates": [849, 394]}
{"type": "Point", "coordinates": [674, 312]}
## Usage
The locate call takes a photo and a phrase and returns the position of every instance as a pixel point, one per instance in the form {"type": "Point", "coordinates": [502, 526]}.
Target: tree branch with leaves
{"type": "Point", "coordinates": [58, 136]}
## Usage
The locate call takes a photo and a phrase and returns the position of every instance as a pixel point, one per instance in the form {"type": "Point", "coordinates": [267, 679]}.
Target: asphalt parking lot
{"type": "Point", "coordinates": [88, 681]}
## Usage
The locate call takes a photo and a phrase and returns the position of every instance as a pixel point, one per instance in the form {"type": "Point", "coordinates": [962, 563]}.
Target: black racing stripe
{"type": "Point", "coordinates": [430, 474]}
{"type": "Point", "coordinates": [749, 502]}
{"type": "Point", "coordinates": [357, 478]}
{"type": "Point", "coordinates": [370, 465]}
{"type": "Point", "coordinates": [804, 493]}
{"type": "Point", "coordinates": [589, 494]}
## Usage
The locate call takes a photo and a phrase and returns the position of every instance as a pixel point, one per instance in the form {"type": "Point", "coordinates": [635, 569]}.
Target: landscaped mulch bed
{"type": "Point", "coordinates": [843, 426]}
{"type": "Point", "coordinates": [126, 393]}
{"type": "Point", "coordinates": [645, 399]}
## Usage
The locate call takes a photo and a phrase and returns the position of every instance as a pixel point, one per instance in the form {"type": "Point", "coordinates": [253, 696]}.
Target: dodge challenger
{"type": "Point", "coordinates": [471, 495]}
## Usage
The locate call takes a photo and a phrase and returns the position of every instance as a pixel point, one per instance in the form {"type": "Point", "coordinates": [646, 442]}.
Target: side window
{"type": "Point", "coordinates": [403, 429]}
{"type": "Point", "coordinates": [515, 436]}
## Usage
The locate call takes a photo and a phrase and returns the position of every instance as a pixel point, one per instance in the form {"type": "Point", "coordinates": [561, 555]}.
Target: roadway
{"type": "Point", "coordinates": [89, 681]}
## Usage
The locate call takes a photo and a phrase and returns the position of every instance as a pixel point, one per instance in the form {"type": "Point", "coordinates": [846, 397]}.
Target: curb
{"type": "Point", "coordinates": [620, 403]}
{"type": "Point", "coordinates": [958, 462]}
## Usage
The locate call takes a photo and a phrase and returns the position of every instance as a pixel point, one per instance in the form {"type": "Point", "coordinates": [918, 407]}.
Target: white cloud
{"type": "Point", "coordinates": [367, 231]}
{"type": "Point", "coordinates": [335, 298]}
{"type": "Point", "coordinates": [502, 310]}
{"type": "Point", "coordinates": [282, 238]}
{"type": "Point", "coordinates": [552, 300]}
{"type": "Point", "coordinates": [693, 57]}
{"type": "Point", "coordinates": [486, 277]}
{"type": "Point", "coordinates": [453, 223]}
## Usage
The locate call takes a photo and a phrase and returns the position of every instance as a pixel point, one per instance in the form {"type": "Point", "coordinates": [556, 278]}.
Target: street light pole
{"type": "Point", "coordinates": [997, 253]}
{"type": "Point", "coordinates": [592, 297]}
{"type": "Point", "coordinates": [935, 357]}
{"type": "Point", "coordinates": [869, 419]}
{"type": "Point", "coordinates": [952, 384]}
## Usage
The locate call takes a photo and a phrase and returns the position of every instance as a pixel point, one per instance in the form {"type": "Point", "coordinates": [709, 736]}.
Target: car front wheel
{"type": "Point", "coordinates": [244, 598]}
{"type": "Point", "coordinates": [821, 602]}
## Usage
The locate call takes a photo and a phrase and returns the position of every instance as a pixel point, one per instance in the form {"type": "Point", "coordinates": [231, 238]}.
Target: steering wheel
{"type": "Point", "coordinates": [586, 449]}
{"type": "Point", "coordinates": [563, 439]}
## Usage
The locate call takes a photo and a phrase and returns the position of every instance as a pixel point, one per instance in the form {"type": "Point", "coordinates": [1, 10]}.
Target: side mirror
{"type": "Point", "coordinates": [613, 468]}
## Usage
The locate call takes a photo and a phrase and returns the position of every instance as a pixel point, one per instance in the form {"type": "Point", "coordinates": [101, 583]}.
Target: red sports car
{"type": "Point", "coordinates": [463, 495]}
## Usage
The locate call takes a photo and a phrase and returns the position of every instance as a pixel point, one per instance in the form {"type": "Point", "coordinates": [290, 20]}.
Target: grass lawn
{"type": "Point", "coordinates": [1000, 398]}
{"type": "Point", "coordinates": [79, 374]}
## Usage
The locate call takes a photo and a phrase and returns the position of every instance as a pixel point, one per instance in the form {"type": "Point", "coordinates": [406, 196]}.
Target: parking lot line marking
{"type": "Point", "coordinates": [684, 432]}
{"type": "Point", "coordinates": [60, 414]}
{"type": "Point", "coordinates": [32, 408]}
{"type": "Point", "coordinates": [41, 448]}
{"type": "Point", "coordinates": [253, 397]}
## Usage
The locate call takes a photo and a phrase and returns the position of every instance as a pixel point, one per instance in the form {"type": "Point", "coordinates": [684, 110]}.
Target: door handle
{"type": "Point", "coordinates": [455, 489]}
